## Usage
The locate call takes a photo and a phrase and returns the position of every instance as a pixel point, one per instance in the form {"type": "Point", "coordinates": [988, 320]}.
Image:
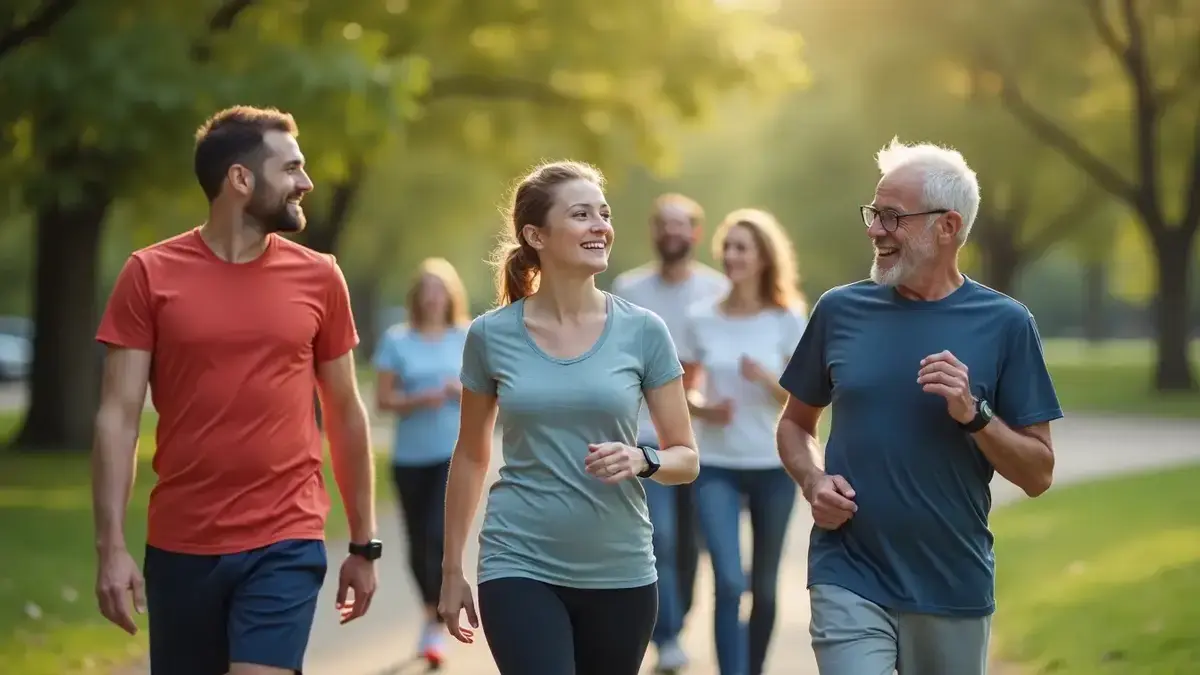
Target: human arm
{"type": "Point", "coordinates": [691, 354]}
{"type": "Point", "coordinates": [679, 456]}
{"type": "Point", "coordinates": [468, 471]}
{"type": "Point", "coordinates": [1017, 441]}
{"type": "Point", "coordinates": [789, 328]}
{"type": "Point", "coordinates": [810, 391]}
{"type": "Point", "coordinates": [348, 430]}
{"type": "Point", "coordinates": [128, 330]}
{"type": "Point", "coordinates": [389, 395]}
{"type": "Point", "coordinates": [114, 466]}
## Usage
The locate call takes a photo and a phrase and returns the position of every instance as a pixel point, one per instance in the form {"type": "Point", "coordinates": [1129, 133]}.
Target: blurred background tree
{"type": "Point", "coordinates": [416, 115]}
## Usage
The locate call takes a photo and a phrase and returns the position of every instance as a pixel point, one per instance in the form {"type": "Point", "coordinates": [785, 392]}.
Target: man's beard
{"type": "Point", "coordinates": [275, 217]}
{"type": "Point", "coordinates": [671, 251]}
{"type": "Point", "coordinates": [913, 256]}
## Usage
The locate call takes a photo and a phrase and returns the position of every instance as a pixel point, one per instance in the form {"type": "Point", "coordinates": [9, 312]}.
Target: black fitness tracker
{"type": "Point", "coordinates": [983, 415]}
{"type": "Point", "coordinates": [372, 550]}
{"type": "Point", "coordinates": [652, 463]}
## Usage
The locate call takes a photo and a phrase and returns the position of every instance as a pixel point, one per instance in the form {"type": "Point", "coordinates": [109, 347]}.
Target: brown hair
{"type": "Point", "coordinates": [517, 266]}
{"type": "Point", "coordinates": [443, 271]}
{"type": "Point", "coordinates": [691, 207]}
{"type": "Point", "coordinates": [780, 283]}
{"type": "Point", "coordinates": [234, 136]}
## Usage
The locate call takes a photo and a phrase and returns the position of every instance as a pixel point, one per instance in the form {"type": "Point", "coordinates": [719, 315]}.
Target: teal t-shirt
{"type": "Point", "coordinates": [547, 519]}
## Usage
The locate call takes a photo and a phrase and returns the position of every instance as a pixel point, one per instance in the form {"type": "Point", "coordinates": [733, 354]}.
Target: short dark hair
{"type": "Point", "coordinates": [234, 136]}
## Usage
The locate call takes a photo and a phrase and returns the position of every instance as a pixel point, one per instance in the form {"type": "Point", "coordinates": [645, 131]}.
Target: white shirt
{"type": "Point", "coordinates": [717, 343]}
{"type": "Point", "coordinates": [644, 286]}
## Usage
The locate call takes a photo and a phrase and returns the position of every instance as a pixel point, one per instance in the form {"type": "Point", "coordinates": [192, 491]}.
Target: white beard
{"type": "Point", "coordinates": [913, 257]}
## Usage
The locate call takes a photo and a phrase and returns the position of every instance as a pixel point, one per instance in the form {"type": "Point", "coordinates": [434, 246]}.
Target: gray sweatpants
{"type": "Point", "coordinates": [854, 636]}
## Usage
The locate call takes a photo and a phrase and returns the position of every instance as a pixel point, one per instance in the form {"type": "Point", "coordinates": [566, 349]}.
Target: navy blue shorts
{"type": "Point", "coordinates": [207, 611]}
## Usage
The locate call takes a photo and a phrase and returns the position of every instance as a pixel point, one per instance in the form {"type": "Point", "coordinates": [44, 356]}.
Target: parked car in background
{"type": "Point", "coordinates": [16, 348]}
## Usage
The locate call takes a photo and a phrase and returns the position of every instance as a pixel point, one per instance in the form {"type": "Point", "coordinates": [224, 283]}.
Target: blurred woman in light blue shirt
{"type": "Point", "coordinates": [418, 367]}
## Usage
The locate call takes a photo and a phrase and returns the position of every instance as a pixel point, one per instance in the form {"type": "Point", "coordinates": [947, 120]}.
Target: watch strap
{"type": "Point", "coordinates": [983, 416]}
{"type": "Point", "coordinates": [652, 463]}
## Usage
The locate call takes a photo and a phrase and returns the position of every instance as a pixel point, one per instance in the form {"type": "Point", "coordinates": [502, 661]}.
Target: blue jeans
{"type": "Point", "coordinates": [661, 501]}
{"type": "Point", "coordinates": [770, 495]}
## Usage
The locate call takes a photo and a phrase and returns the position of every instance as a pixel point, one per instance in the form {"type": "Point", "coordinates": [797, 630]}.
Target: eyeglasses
{"type": "Point", "coordinates": [890, 219]}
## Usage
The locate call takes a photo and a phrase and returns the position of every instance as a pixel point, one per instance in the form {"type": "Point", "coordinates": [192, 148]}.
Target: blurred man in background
{"type": "Point", "coordinates": [667, 287]}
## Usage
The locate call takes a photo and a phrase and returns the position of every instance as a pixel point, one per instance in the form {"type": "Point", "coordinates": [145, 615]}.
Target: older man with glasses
{"type": "Point", "coordinates": [936, 382]}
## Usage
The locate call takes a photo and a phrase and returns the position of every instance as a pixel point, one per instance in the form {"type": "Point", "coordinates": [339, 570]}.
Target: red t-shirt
{"type": "Point", "coordinates": [235, 348]}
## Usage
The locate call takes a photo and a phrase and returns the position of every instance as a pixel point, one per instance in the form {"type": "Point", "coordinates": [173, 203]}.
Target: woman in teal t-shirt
{"type": "Point", "coordinates": [418, 366]}
{"type": "Point", "coordinates": [567, 583]}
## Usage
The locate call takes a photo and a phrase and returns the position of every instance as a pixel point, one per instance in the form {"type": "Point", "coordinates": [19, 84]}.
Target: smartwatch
{"type": "Point", "coordinates": [652, 463]}
{"type": "Point", "coordinates": [372, 550]}
{"type": "Point", "coordinates": [983, 415]}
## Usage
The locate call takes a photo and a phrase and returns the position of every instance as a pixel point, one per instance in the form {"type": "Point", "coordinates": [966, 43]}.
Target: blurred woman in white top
{"type": "Point", "coordinates": [741, 342]}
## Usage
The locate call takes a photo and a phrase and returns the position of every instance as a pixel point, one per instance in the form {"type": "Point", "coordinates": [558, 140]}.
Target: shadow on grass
{"type": "Point", "coordinates": [1102, 577]}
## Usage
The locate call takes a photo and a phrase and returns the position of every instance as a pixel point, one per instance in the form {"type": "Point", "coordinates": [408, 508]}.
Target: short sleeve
{"type": "Point", "coordinates": [128, 320]}
{"type": "Point", "coordinates": [660, 363]}
{"type": "Point", "coordinates": [475, 374]}
{"type": "Point", "coordinates": [791, 328]}
{"type": "Point", "coordinates": [687, 343]}
{"type": "Point", "coordinates": [387, 354]}
{"type": "Point", "coordinates": [337, 334]}
{"type": "Point", "coordinates": [806, 376]}
{"type": "Point", "coordinates": [1024, 390]}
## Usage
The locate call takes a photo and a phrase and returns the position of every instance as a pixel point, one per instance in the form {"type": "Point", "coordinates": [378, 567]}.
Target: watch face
{"type": "Point", "coordinates": [985, 409]}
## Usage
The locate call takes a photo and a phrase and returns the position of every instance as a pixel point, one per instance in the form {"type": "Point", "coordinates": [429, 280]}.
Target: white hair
{"type": "Point", "coordinates": [947, 181]}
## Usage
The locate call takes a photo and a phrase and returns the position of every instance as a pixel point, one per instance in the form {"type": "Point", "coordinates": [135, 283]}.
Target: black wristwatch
{"type": "Point", "coordinates": [983, 415]}
{"type": "Point", "coordinates": [372, 550]}
{"type": "Point", "coordinates": [652, 463]}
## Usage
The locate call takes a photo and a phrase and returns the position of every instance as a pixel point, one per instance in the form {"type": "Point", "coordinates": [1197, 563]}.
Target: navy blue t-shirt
{"type": "Point", "coordinates": [919, 541]}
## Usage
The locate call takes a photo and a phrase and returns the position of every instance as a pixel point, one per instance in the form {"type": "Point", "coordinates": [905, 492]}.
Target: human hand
{"type": "Point", "coordinates": [943, 374]}
{"type": "Point", "coordinates": [356, 586]}
{"type": "Point", "coordinates": [456, 597]}
{"type": "Point", "coordinates": [720, 414]}
{"type": "Point", "coordinates": [832, 501]}
{"type": "Point", "coordinates": [614, 462]}
{"type": "Point", "coordinates": [753, 370]}
{"type": "Point", "coordinates": [118, 578]}
{"type": "Point", "coordinates": [453, 389]}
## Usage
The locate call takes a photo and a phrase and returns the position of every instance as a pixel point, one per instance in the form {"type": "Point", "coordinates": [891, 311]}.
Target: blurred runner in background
{"type": "Point", "coordinates": [741, 342]}
{"type": "Point", "coordinates": [667, 287]}
{"type": "Point", "coordinates": [418, 365]}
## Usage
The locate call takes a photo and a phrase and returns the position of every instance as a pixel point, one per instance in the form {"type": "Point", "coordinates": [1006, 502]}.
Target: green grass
{"type": "Point", "coordinates": [49, 561]}
{"type": "Point", "coordinates": [1102, 577]}
{"type": "Point", "coordinates": [1115, 377]}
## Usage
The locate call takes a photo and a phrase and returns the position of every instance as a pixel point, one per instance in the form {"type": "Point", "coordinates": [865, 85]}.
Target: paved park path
{"type": "Point", "coordinates": [382, 643]}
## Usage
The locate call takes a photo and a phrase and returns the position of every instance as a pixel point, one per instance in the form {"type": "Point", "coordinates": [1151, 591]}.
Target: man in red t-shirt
{"type": "Point", "coordinates": [232, 327]}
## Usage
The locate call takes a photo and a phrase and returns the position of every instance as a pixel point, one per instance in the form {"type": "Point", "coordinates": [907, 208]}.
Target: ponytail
{"type": "Point", "coordinates": [516, 274]}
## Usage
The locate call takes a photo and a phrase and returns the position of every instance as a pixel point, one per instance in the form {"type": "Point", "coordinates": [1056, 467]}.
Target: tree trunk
{"type": "Point", "coordinates": [364, 297]}
{"type": "Point", "coordinates": [65, 382]}
{"type": "Point", "coordinates": [1002, 260]}
{"type": "Point", "coordinates": [1095, 301]}
{"type": "Point", "coordinates": [1173, 250]}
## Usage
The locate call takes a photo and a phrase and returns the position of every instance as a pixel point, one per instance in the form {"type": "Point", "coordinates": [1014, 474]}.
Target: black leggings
{"type": "Point", "coordinates": [422, 491]}
{"type": "Point", "coordinates": [534, 628]}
